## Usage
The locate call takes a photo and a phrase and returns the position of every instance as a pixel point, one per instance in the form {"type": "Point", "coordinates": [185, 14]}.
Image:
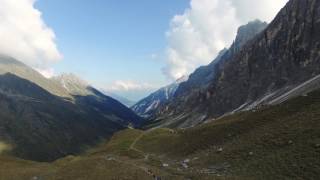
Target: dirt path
{"type": "Point", "coordinates": [132, 146]}
{"type": "Point", "coordinates": [136, 140]}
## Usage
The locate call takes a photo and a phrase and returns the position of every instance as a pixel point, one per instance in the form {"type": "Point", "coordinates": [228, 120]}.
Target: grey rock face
{"type": "Point", "coordinates": [282, 56]}
{"type": "Point", "coordinates": [204, 75]}
{"type": "Point", "coordinates": [247, 32]}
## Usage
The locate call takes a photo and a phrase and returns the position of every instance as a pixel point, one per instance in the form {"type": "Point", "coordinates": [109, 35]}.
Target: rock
{"type": "Point", "coordinates": [250, 153]}
{"type": "Point", "coordinates": [165, 165]}
{"type": "Point", "coordinates": [317, 145]}
{"type": "Point", "coordinates": [146, 157]}
{"type": "Point", "coordinates": [186, 161]}
{"type": "Point", "coordinates": [290, 142]}
{"type": "Point", "coordinates": [219, 150]}
{"type": "Point", "coordinates": [109, 158]}
{"type": "Point", "coordinates": [185, 165]}
{"type": "Point", "coordinates": [149, 171]}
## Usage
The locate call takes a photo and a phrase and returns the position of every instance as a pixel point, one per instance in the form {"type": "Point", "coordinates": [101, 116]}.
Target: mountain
{"type": "Point", "coordinates": [90, 97]}
{"type": "Point", "coordinates": [42, 120]}
{"type": "Point", "coordinates": [76, 86]}
{"type": "Point", "coordinates": [148, 106]}
{"type": "Point", "coordinates": [73, 84]}
{"type": "Point", "coordinates": [275, 61]}
{"type": "Point", "coordinates": [11, 65]}
{"type": "Point", "coordinates": [204, 75]}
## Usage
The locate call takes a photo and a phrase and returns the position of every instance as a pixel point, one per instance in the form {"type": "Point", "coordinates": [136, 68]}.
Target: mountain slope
{"type": "Point", "coordinates": [38, 124]}
{"type": "Point", "coordinates": [41, 126]}
{"type": "Point", "coordinates": [11, 65]}
{"type": "Point", "coordinates": [89, 97]}
{"type": "Point", "coordinates": [278, 59]}
{"type": "Point", "coordinates": [148, 106]}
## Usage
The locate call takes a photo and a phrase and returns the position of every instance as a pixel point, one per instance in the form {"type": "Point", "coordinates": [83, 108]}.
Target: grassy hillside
{"type": "Point", "coordinates": [279, 142]}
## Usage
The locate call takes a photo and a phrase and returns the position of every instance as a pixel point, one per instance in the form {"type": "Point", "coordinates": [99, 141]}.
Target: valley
{"type": "Point", "coordinates": [251, 112]}
{"type": "Point", "coordinates": [277, 142]}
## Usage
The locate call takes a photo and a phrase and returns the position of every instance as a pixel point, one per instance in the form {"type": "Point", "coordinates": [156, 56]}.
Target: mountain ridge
{"type": "Point", "coordinates": [148, 105]}
{"type": "Point", "coordinates": [285, 54]}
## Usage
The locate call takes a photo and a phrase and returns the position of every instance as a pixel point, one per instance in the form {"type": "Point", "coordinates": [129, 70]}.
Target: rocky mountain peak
{"type": "Point", "coordinates": [73, 84]}
{"type": "Point", "coordinates": [246, 32]}
{"type": "Point", "coordinates": [72, 78]}
{"type": "Point", "coordinates": [9, 65]}
{"type": "Point", "coordinates": [182, 79]}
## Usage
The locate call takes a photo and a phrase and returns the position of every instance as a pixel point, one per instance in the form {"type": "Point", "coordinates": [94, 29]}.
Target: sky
{"type": "Point", "coordinates": [130, 48]}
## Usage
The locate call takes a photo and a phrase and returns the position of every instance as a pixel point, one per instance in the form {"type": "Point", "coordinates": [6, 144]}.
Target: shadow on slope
{"type": "Point", "coordinates": [44, 127]}
{"type": "Point", "coordinates": [109, 107]}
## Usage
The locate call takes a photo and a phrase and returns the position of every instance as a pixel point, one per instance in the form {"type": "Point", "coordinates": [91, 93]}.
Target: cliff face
{"type": "Point", "coordinates": [281, 57]}
{"type": "Point", "coordinates": [204, 75]}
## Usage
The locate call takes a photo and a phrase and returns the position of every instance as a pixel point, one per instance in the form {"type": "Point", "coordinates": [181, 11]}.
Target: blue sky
{"type": "Point", "coordinates": [104, 41]}
{"type": "Point", "coordinates": [126, 47]}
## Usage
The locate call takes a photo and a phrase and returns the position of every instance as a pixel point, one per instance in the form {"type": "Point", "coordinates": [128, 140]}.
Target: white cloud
{"type": "Point", "coordinates": [129, 86]}
{"type": "Point", "coordinates": [25, 36]}
{"type": "Point", "coordinates": [196, 36]}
